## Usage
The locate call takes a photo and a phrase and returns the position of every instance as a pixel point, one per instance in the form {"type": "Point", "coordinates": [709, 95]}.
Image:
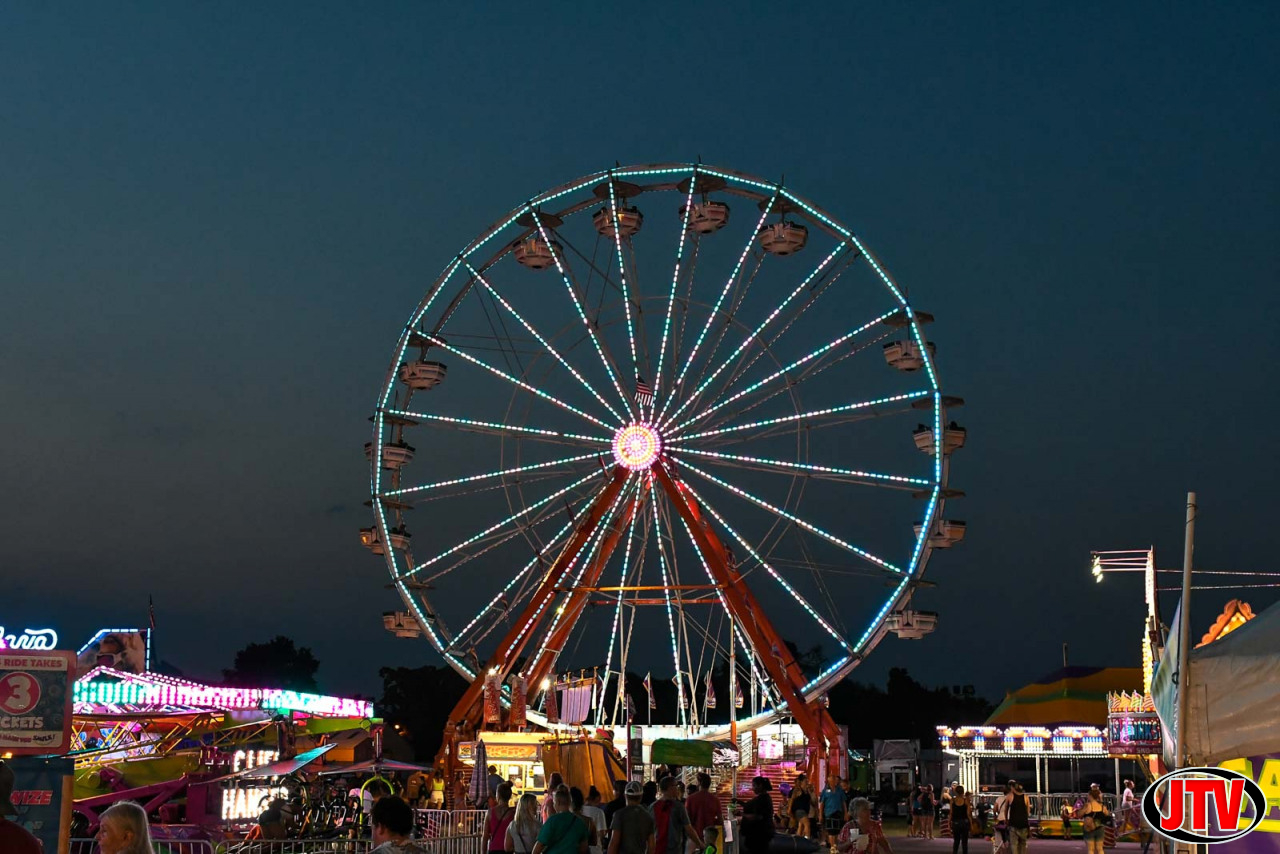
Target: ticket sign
{"type": "Point", "coordinates": [35, 701]}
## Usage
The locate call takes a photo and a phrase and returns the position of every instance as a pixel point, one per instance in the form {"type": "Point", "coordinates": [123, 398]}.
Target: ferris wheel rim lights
{"type": "Point", "coordinates": [637, 446]}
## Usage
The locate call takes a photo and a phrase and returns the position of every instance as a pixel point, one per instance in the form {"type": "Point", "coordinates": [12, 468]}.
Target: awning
{"type": "Point", "coordinates": [374, 767]}
{"type": "Point", "coordinates": [675, 751]}
{"type": "Point", "coordinates": [285, 766]}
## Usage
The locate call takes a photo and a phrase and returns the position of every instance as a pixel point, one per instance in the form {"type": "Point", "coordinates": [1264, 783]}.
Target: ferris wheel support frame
{"type": "Point", "coordinates": [819, 729]}
{"type": "Point", "coordinates": [740, 602]}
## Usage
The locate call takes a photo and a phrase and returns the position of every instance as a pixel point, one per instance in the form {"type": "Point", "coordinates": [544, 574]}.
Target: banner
{"type": "Point", "coordinates": [519, 701]}
{"type": "Point", "coordinates": [1164, 689]}
{"type": "Point", "coordinates": [577, 700]}
{"type": "Point", "coordinates": [37, 795]}
{"type": "Point", "coordinates": [119, 649]}
{"type": "Point", "coordinates": [553, 706]}
{"type": "Point", "coordinates": [492, 699]}
{"type": "Point", "coordinates": [35, 702]}
{"type": "Point", "coordinates": [1265, 839]}
{"type": "Point", "coordinates": [711, 693]}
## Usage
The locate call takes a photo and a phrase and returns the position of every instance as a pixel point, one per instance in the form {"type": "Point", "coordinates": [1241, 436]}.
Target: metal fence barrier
{"type": "Point", "coordinates": [438, 831]}
{"type": "Point", "coordinates": [161, 846]}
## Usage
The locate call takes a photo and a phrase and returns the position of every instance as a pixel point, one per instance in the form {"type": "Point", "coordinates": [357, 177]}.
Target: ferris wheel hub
{"type": "Point", "coordinates": [637, 446]}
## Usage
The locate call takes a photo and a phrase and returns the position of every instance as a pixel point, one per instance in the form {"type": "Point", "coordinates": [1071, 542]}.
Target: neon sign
{"type": "Point", "coordinates": [33, 639]}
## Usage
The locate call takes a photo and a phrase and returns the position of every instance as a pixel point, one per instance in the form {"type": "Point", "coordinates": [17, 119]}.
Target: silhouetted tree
{"type": "Point", "coordinates": [420, 699]}
{"type": "Point", "coordinates": [278, 663]}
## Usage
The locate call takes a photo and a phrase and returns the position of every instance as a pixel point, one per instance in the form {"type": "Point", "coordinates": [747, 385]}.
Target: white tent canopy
{"type": "Point", "coordinates": [1235, 693]}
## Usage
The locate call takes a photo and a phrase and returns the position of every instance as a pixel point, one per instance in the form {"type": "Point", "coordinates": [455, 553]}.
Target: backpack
{"type": "Point", "coordinates": [1019, 812]}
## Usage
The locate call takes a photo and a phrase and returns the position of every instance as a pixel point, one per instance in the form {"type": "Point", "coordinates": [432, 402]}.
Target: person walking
{"type": "Point", "coordinates": [862, 825]}
{"type": "Point", "coordinates": [14, 837]}
{"type": "Point", "coordinates": [632, 830]}
{"type": "Point", "coordinates": [930, 806]}
{"type": "Point", "coordinates": [704, 808]}
{"type": "Point", "coordinates": [563, 832]}
{"type": "Point", "coordinates": [1096, 815]}
{"type": "Point", "coordinates": [392, 821]}
{"type": "Point", "coordinates": [671, 819]}
{"type": "Point", "coordinates": [801, 806]}
{"type": "Point", "coordinates": [523, 830]}
{"type": "Point", "coordinates": [594, 843]}
{"type": "Point", "coordinates": [619, 801]}
{"type": "Point", "coordinates": [757, 818]}
{"type": "Point", "coordinates": [437, 790]}
{"type": "Point", "coordinates": [124, 830]}
{"type": "Point", "coordinates": [494, 836]}
{"type": "Point", "coordinates": [1128, 808]}
{"type": "Point", "coordinates": [1019, 818]}
{"type": "Point", "coordinates": [595, 814]}
{"type": "Point", "coordinates": [961, 808]}
{"type": "Point", "coordinates": [548, 800]}
{"type": "Point", "coordinates": [832, 809]}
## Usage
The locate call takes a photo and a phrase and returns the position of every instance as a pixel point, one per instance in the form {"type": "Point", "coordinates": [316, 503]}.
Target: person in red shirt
{"type": "Point", "coordinates": [14, 838]}
{"type": "Point", "coordinates": [704, 807]}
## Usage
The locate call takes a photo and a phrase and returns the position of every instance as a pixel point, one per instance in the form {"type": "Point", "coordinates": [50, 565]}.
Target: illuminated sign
{"type": "Point", "coordinates": [155, 690]}
{"type": "Point", "coordinates": [32, 639]}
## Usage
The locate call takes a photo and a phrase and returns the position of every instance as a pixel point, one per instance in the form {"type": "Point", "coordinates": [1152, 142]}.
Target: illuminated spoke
{"type": "Point", "coordinates": [507, 521]}
{"type": "Point", "coordinates": [816, 291]}
{"type": "Point", "coordinates": [756, 332]}
{"type": "Point", "coordinates": [781, 372]}
{"type": "Point", "coordinates": [733, 627]}
{"type": "Point", "coordinates": [493, 428]}
{"type": "Point", "coordinates": [693, 353]}
{"type": "Point", "coordinates": [438, 342]}
{"type": "Point", "coordinates": [764, 563]}
{"type": "Point", "coordinates": [815, 471]}
{"type": "Point", "coordinates": [501, 473]}
{"type": "Point", "coordinates": [537, 558]}
{"type": "Point", "coordinates": [814, 529]}
{"type": "Point", "coordinates": [617, 614]}
{"type": "Point", "coordinates": [675, 280]}
{"type": "Point", "coordinates": [727, 416]}
{"type": "Point", "coordinates": [811, 415]}
{"type": "Point", "coordinates": [622, 276]}
{"type": "Point", "coordinates": [666, 595]}
{"type": "Point", "coordinates": [491, 542]}
{"type": "Point", "coordinates": [546, 344]}
{"type": "Point", "coordinates": [581, 562]}
{"type": "Point", "coordinates": [582, 314]}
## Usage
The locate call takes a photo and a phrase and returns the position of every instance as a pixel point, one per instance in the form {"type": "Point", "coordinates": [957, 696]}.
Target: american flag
{"type": "Point", "coordinates": [648, 689]}
{"type": "Point", "coordinates": [644, 393]}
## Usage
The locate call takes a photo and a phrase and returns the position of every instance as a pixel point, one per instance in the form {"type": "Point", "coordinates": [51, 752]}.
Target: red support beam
{"type": "Point", "coordinates": [466, 714]}
{"type": "Point", "coordinates": [772, 650]}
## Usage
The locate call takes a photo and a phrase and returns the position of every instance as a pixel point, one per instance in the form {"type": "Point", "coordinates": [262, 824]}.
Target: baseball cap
{"type": "Point", "coordinates": [6, 790]}
{"type": "Point", "coordinates": [634, 789]}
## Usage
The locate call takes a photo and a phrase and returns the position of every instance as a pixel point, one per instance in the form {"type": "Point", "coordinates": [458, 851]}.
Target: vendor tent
{"type": "Point", "coordinates": [1235, 693]}
{"type": "Point", "coordinates": [1069, 695]}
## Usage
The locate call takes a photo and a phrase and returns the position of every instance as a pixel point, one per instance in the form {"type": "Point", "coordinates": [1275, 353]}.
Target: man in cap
{"type": "Point", "coordinates": [14, 838]}
{"type": "Point", "coordinates": [632, 828]}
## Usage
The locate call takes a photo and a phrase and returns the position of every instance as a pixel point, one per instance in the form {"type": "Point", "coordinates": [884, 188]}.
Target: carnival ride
{"type": "Point", "coordinates": [202, 755]}
{"type": "Point", "coordinates": [656, 428]}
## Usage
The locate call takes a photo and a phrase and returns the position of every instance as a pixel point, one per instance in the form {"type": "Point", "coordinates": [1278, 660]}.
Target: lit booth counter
{"type": "Point", "coordinates": [517, 756]}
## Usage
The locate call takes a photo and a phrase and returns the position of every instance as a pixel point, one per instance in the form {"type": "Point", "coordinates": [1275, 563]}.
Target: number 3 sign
{"type": "Point", "coordinates": [35, 701]}
{"type": "Point", "coordinates": [19, 693]}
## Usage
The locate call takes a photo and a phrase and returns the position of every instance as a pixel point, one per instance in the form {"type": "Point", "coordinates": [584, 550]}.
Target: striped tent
{"type": "Point", "coordinates": [1070, 695]}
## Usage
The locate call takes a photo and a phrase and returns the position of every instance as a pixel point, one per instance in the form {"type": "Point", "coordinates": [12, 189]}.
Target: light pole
{"type": "Point", "coordinates": [1184, 635]}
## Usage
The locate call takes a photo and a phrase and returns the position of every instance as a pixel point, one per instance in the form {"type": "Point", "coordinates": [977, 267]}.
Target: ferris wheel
{"type": "Point", "coordinates": [670, 419]}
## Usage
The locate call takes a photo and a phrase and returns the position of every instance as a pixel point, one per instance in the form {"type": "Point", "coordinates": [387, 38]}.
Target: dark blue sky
{"type": "Point", "coordinates": [216, 219]}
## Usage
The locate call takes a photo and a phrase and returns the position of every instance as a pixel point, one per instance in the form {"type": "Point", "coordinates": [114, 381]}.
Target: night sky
{"type": "Point", "coordinates": [215, 221]}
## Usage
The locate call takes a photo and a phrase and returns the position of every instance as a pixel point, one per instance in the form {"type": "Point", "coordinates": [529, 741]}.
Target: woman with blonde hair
{"type": "Point", "coordinates": [523, 830]}
{"type": "Point", "coordinates": [124, 830]}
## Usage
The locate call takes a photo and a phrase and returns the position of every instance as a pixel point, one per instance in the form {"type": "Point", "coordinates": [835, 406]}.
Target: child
{"type": "Point", "coordinates": [710, 839]}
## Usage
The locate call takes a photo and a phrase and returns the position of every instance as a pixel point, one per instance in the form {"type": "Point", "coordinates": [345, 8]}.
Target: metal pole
{"type": "Point", "coordinates": [1184, 636]}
